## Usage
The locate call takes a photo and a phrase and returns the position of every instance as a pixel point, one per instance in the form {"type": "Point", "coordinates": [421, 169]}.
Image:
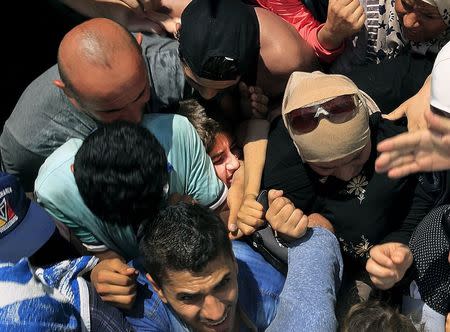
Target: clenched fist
{"type": "Point", "coordinates": [344, 19]}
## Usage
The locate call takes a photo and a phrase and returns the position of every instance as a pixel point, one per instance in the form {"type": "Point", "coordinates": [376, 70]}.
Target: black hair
{"type": "Point", "coordinates": [206, 127]}
{"type": "Point", "coordinates": [374, 316]}
{"type": "Point", "coordinates": [121, 170]}
{"type": "Point", "coordinates": [183, 237]}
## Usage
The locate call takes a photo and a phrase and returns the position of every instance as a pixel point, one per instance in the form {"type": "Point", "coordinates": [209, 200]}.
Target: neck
{"type": "Point", "coordinates": [237, 320]}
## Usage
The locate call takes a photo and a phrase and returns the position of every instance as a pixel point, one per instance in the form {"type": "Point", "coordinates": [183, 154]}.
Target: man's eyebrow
{"type": "Point", "coordinates": [226, 276]}
{"type": "Point", "coordinates": [217, 154]}
{"type": "Point", "coordinates": [182, 294]}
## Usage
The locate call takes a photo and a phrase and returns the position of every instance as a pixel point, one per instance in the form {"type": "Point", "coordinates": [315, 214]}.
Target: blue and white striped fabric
{"type": "Point", "coordinates": [54, 298]}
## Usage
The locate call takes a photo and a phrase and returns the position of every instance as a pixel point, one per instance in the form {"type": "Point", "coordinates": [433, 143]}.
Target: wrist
{"type": "Point", "coordinates": [328, 39]}
{"type": "Point", "coordinates": [250, 194]}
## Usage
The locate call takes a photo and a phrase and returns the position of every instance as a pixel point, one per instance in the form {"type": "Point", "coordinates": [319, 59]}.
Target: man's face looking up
{"type": "Point", "coordinates": [206, 300]}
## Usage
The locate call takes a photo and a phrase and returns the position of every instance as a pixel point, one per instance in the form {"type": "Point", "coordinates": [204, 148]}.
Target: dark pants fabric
{"type": "Point", "coordinates": [392, 82]}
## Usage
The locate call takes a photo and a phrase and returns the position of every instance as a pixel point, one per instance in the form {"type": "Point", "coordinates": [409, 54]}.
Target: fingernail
{"type": "Point", "coordinates": [233, 228]}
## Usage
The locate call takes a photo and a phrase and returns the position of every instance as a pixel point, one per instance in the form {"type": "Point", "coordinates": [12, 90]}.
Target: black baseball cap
{"type": "Point", "coordinates": [224, 29]}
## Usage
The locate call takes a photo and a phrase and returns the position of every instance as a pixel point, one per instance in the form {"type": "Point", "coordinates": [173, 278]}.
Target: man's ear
{"type": "Point", "coordinates": [59, 84]}
{"type": "Point", "coordinates": [157, 289]}
{"type": "Point", "coordinates": [139, 38]}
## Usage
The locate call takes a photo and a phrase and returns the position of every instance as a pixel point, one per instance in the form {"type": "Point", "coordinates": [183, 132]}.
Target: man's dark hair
{"type": "Point", "coordinates": [374, 315]}
{"type": "Point", "coordinates": [121, 170]}
{"type": "Point", "coordinates": [206, 127]}
{"type": "Point", "coordinates": [183, 237]}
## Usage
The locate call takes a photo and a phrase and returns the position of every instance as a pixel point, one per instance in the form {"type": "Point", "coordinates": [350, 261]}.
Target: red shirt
{"type": "Point", "coordinates": [295, 13]}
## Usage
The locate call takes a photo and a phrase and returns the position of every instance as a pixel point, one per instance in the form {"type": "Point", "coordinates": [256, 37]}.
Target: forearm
{"type": "Point", "coordinates": [255, 155]}
{"type": "Point", "coordinates": [236, 194]}
{"type": "Point", "coordinates": [296, 13]}
{"type": "Point", "coordinates": [329, 40]}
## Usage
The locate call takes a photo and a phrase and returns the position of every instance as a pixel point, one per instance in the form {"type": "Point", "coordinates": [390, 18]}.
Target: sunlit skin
{"type": "Point", "coordinates": [206, 300]}
{"type": "Point", "coordinates": [225, 157]}
{"type": "Point", "coordinates": [208, 89]}
{"type": "Point", "coordinates": [420, 21]}
{"type": "Point", "coordinates": [345, 168]}
{"type": "Point", "coordinates": [108, 88]}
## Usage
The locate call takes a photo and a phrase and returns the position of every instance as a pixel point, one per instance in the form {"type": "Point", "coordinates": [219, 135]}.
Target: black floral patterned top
{"type": "Point", "coordinates": [367, 210]}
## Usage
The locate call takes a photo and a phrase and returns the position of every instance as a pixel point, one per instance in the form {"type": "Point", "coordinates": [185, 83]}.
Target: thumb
{"type": "Point", "coordinates": [401, 256]}
{"type": "Point", "coordinates": [273, 195]}
{"type": "Point", "coordinates": [396, 114]}
{"type": "Point", "coordinates": [232, 224]}
{"type": "Point", "coordinates": [124, 269]}
{"type": "Point", "coordinates": [243, 89]}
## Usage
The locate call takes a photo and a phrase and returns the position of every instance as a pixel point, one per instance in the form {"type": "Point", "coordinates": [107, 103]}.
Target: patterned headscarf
{"type": "Point", "coordinates": [381, 37]}
{"type": "Point", "coordinates": [436, 44]}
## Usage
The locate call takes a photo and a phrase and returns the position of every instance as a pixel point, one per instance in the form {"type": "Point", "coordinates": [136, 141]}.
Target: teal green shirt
{"type": "Point", "coordinates": [190, 172]}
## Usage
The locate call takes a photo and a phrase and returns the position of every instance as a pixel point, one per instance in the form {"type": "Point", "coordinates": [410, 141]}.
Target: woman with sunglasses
{"type": "Point", "coordinates": [322, 153]}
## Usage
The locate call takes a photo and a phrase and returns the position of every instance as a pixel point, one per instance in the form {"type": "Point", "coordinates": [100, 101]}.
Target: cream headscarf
{"type": "Point", "coordinates": [329, 141]}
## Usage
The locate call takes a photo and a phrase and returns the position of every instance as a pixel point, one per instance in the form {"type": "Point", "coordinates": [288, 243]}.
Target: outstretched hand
{"type": "Point", "coordinates": [419, 151]}
{"type": "Point", "coordinates": [414, 108]}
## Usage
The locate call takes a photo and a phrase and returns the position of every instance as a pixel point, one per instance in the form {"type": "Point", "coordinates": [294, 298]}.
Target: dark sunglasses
{"type": "Point", "coordinates": [438, 112]}
{"type": "Point", "coordinates": [337, 110]}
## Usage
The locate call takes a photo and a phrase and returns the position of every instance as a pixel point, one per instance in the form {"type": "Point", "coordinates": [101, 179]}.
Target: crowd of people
{"type": "Point", "coordinates": [228, 165]}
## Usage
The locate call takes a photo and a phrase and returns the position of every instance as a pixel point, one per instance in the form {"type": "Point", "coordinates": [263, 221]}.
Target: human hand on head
{"type": "Point", "coordinates": [289, 222]}
{"type": "Point", "coordinates": [388, 263]}
{"type": "Point", "coordinates": [115, 282]}
{"type": "Point", "coordinates": [146, 18]}
{"type": "Point", "coordinates": [344, 19]}
{"type": "Point", "coordinates": [254, 103]}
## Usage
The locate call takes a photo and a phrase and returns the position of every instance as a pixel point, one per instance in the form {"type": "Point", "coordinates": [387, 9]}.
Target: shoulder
{"type": "Point", "coordinates": [41, 96]}
{"type": "Point", "coordinates": [165, 70]}
{"type": "Point", "coordinates": [56, 172]}
{"type": "Point", "coordinates": [168, 126]}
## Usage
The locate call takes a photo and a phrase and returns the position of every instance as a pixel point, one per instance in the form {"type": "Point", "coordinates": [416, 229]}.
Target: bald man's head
{"type": "Point", "coordinates": [101, 67]}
